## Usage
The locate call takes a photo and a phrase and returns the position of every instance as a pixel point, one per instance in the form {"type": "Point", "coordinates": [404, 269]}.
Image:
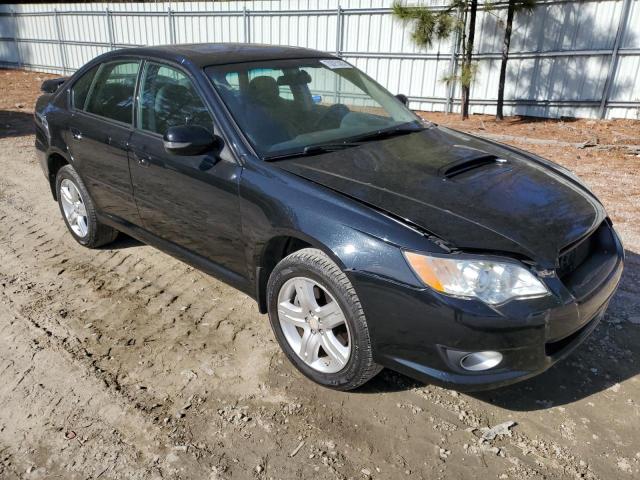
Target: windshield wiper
{"type": "Point", "coordinates": [310, 150]}
{"type": "Point", "coordinates": [328, 147]}
{"type": "Point", "coordinates": [386, 133]}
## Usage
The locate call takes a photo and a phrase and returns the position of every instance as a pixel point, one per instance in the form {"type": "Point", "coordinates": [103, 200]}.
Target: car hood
{"type": "Point", "coordinates": [473, 194]}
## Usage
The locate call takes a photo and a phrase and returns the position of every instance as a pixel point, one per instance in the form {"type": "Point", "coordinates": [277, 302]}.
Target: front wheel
{"type": "Point", "coordinates": [318, 321]}
{"type": "Point", "coordinates": [79, 212]}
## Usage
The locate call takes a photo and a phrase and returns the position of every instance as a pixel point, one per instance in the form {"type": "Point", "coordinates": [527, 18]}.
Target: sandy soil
{"type": "Point", "coordinates": [126, 363]}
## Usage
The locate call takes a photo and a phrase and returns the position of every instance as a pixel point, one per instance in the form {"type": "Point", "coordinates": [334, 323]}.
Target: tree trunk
{"type": "Point", "coordinates": [505, 58]}
{"type": "Point", "coordinates": [466, 85]}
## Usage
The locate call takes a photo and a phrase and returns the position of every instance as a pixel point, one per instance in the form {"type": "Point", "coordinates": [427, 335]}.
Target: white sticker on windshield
{"type": "Point", "coordinates": [334, 64]}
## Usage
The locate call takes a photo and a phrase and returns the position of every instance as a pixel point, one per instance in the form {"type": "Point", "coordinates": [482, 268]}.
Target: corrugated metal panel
{"type": "Point", "coordinates": [561, 54]}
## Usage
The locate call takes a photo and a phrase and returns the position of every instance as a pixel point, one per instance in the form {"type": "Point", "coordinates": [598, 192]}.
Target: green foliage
{"type": "Point", "coordinates": [428, 25]}
{"type": "Point", "coordinates": [467, 72]}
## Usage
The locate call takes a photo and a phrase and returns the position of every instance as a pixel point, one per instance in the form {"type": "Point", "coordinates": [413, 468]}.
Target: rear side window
{"type": "Point", "coordinates": [81, 88]}
{"type": "Point", "coordinates": [167, 99]}
{"type": "Point", "coordinates": [112, 93]}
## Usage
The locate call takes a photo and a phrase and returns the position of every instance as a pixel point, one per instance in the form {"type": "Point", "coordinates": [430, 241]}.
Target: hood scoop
{"type": "Point", "coordinates": [466, 165]}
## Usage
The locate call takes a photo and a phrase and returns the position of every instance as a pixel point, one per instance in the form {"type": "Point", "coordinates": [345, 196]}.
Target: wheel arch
{"type": "Point", "coordinates": [275, 249]}
{"type": "Point", "coordinates": [55, 161]}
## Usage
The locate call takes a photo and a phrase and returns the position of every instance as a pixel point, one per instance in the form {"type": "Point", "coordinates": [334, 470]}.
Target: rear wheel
{"type": "Point", "coordinates": [318, 321]}
{"type": "Point", "coordinates": [79, 212]}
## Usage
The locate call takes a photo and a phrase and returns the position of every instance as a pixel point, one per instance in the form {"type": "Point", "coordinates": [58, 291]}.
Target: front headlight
{"type": "Point", "coordinates": [491, 281]}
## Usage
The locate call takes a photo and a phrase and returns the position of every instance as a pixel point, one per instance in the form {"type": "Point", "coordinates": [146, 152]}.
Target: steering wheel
{"type": "Point", "coordinates": [335, 112]}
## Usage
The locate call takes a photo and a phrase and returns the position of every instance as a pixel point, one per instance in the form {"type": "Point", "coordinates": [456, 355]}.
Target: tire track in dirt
{"type": "Point", "coordinates": [54, 394]}
{"type": "Point", "coordinates": [115, 307]}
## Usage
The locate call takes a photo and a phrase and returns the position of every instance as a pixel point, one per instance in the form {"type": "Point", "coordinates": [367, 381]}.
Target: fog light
{"type": "Point", "coordinates": [479, 361]}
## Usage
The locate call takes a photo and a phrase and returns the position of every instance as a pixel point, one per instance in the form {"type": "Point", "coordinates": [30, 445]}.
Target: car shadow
{"type": "Point", "coordinates": [15, 123]}
{"type": "Point", "coordinates": [608, 357]}
{"type": "Point", "coordinates": [122, 242]}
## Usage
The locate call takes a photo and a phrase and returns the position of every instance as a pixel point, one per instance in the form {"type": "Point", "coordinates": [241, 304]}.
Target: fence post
{"type": "Point", "coordinates": [247, 25]}
{"type": "Point", "coordinates": [613, 63]}
{"type": "Point", "coordinates": [63, 56]}
{"type": "Point", "coordinates": [15, 37]}
{"type": "Point", "coordinates": [339, 31]}
{"type": "Point", "coordinates": [112, 42]}
{"type": "Point", "coordinates": [172, 30]}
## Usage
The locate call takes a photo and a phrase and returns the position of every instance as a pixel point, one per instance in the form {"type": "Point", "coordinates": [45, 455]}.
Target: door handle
{"type": "Point", "coordinates": [143, 160]}
{"type": "Point", "coordinates": [77, 134]}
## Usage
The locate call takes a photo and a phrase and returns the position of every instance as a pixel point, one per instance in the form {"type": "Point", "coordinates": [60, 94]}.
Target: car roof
{"type": "Point", "coordinates": [205, 54]}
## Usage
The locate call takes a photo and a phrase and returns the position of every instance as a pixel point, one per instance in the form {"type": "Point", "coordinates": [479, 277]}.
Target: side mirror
{"type": "Point", "coordinates": [191, 140]}
{"type": "Point", "coordinates": [51, 85]}
{"type": "Point", "coordinates": [403, 98]}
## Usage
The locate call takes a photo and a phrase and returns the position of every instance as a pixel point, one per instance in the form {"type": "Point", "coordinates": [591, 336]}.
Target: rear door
{"type": "Point", "coordinates": [99, 131]}
{"type": "Point", "coordinates": [191, 201]}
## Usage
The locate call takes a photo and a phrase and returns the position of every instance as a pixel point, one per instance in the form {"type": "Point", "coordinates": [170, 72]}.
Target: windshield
{"type": "Point", "coordinates": [288, 106]}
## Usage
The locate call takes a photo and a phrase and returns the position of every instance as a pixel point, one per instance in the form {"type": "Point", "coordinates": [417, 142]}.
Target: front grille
{"type": "Point", "coordinates": [587, 263]}
{"type": "Point", "coordinates": [575, 256]}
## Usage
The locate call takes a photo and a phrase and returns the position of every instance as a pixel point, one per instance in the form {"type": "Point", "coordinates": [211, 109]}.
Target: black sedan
{"type": "Point", "coordinates": [371, 237]}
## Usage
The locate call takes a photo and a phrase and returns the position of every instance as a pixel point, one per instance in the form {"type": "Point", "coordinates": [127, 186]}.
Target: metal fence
{"type": "Point", "coordinates": [568, 58]}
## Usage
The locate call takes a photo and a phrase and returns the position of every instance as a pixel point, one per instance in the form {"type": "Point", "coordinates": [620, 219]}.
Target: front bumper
{"type": "Point", "coordinates": [413, 329]}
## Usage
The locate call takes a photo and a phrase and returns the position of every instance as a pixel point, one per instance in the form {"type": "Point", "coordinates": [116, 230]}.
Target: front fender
{"type": "Point", "coordinates": [276, 204]}
{"type": "Point", "coordinates": [350, 248]}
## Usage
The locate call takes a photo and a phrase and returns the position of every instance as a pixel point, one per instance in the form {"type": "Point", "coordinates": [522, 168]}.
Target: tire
{"type": "Point", "coordinates": [88, 232]}
{"type": "Point", "coordinates": [311, 267]}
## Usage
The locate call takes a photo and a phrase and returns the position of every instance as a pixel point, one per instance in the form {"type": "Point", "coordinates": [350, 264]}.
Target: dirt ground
{"type": "Point", "coordinates": [125, 363]}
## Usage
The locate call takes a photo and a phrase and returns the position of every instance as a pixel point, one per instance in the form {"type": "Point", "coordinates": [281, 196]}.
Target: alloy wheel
{"type": "Point", "coordinates": [314, 325]}
{"type": "Point", "coordinates": [74, 208]}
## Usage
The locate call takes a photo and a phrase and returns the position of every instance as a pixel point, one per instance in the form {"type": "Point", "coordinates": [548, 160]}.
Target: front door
{"type": "Point", "coordinates": [191, 201]}
{"type": "Point", "coordinates": [98, 136]}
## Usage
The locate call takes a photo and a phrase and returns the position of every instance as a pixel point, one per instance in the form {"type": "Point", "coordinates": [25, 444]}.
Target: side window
{"type": "Point", "coordinates": [80, 89]}
{"type": "Point", "coordinates": [167, 99]}
{"type": "Point", "coordinates": [112, 93]}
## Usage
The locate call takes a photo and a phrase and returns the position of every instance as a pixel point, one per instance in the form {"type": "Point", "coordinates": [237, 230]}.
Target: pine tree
{"type": "Point", "coordinates": [429, 25]}
{"type": "Point", "coordinates": [514, 6]}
